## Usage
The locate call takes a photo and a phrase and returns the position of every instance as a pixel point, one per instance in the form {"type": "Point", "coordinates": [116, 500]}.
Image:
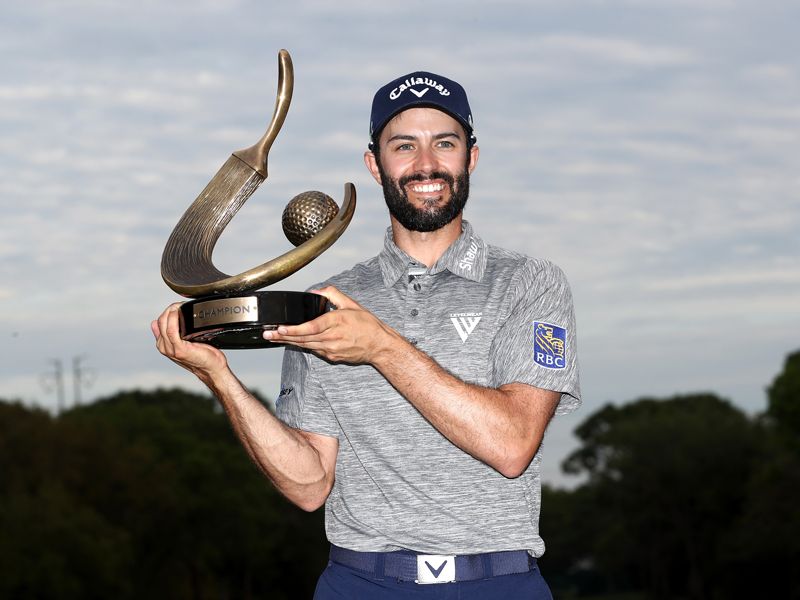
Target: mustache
{"type": "Point", "coordinates": [406, 179]}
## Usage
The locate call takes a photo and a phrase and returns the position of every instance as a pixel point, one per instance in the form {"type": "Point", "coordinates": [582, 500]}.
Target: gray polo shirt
{"type": "Point", "coordinates": [490, 317]}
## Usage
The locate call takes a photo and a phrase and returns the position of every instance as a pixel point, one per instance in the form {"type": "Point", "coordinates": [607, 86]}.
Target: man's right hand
{"type": "Point", "coordinates": [201, 359]}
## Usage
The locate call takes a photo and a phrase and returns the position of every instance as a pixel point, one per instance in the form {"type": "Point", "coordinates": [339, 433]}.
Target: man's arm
{"type": "Point", "coordinates": [502, 427]}
{"type": "Point", "coordinates": [300, 464]}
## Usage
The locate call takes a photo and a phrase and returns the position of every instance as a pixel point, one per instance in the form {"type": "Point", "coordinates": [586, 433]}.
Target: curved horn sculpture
{"type": "Point", "coordinates": [186, 264]}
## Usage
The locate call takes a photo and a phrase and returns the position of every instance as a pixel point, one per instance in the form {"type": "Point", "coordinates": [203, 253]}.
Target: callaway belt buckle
{"type": "Point", "coordinates": [435, 568]}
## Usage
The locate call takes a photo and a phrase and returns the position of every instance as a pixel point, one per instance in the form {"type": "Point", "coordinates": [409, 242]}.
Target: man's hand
{"type": "Point", "coordinates": [200, 359]}
{"type": "Point", "coordinates": [348, 334]}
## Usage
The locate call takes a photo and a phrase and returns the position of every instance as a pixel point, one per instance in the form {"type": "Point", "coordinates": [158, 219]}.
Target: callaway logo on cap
{"type": "Point", "coordinates": [417, 90]}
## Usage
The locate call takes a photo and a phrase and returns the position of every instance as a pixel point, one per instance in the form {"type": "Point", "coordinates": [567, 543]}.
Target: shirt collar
{"type": "Point", "coordinates": [466, 257]}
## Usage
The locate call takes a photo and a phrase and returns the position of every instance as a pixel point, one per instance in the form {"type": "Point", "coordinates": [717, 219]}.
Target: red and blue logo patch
{"type": "Point", "coordinates": [549, 345]}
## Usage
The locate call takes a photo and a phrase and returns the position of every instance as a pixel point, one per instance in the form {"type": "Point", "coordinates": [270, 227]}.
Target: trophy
{"type": "Point", "coordinates": [226, 311]}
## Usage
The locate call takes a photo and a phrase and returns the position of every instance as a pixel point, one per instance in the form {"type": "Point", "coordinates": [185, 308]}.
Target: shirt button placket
{"type": "Point", "coordinates": [414, 305]}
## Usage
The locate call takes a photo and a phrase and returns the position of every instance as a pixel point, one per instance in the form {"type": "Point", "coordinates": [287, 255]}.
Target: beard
{"type": "Point", "coordinates": [429, 217]}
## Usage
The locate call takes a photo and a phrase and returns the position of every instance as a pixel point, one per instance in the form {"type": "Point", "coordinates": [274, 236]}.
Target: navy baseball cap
{"type": "Point", "coordinates": [420, 89]}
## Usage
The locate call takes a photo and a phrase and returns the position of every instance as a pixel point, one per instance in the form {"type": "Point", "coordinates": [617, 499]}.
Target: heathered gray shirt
{"type": "Point", "coordinates": [485, 314]}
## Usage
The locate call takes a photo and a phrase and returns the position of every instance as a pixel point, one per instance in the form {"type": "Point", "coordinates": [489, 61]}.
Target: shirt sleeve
{"type": "Point", "coordinates": [536, 344]}
{"type": "Point", "coordinates": [302, 403]}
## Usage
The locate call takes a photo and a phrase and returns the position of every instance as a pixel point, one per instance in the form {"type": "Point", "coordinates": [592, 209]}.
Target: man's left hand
{"type": "Point", "coordinates": [348, 334]}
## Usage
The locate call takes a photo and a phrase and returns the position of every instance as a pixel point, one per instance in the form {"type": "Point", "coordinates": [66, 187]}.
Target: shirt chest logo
{"type": "Point", "coordinates": [465, 323]}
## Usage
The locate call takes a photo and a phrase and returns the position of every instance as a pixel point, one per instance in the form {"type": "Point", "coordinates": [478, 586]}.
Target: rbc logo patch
{"type": "Point", "coordinates": [549, 345]}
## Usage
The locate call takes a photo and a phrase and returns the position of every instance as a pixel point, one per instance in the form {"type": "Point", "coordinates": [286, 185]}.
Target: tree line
{"type": "Point", "coordinates": [149, 495]}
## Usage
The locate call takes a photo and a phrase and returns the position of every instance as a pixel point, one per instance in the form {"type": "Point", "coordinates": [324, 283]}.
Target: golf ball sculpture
{"type": "Point", "coordinates": [306, 214]}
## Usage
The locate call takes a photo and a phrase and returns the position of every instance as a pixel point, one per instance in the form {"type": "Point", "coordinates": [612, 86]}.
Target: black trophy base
{"type": "Point", "coordinates": [237, 321]}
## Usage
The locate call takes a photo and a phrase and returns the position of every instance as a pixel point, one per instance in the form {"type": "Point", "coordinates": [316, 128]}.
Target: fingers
{"type": "Point", "coordinates": [309, 329]}
{"type": "Point", "coordinates": [167, 331]}
{"type": "Point", "coordinates": [348, 334]}
{"type": "Point", "coordinates": [337, 298]}
{"type": "Point", "coordinates": [313, 329]}
{"type": "Point", "coordinates": [201, 359]}
{"type": "Point", "coordinates": [341, 335]}
{"type": "Point", "coordinates": [327, 345]}
{"type": "Point", "coordinates": [320, 325]}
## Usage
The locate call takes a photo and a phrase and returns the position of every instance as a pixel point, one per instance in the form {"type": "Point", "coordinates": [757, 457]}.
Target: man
{"type": "Point", "coordinates": [415, 411]}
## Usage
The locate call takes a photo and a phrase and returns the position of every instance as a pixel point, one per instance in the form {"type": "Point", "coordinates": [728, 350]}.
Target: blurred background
{"type": "Point", "coordinates": [651, 149]}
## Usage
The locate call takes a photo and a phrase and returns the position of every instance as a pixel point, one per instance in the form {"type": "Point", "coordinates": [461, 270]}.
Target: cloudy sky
{"type": "Point", "coordinates": [649, 147]}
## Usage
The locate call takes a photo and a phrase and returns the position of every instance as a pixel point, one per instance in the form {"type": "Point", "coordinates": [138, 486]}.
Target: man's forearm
{"type": "Point", "coordinates": [502, 426]}
{"type": "Point", "coordinates": [301, 465]}
{"type": "Point", "coordinates": [295, 466]}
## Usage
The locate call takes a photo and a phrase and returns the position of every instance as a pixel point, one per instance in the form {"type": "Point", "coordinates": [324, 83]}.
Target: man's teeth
{"type": "Point", "coordinates": [428, 187]}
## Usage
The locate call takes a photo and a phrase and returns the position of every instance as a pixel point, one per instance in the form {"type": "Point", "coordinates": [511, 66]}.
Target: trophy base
{"type": "Point", "coordinates": [237, 321]}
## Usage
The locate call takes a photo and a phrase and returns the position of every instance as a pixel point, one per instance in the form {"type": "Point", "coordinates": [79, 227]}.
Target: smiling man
{"type": "Point", "coordinates": [415, 412]}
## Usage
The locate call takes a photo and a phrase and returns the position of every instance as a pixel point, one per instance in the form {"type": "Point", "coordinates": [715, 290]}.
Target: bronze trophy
{"type": "Point", "coordinates": [226, 311]}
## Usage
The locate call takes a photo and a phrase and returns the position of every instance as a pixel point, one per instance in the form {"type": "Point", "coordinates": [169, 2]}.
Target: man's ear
{"type": "Point", "coordinates": [372, 165]}
{"type": "Point", "coordinates": [474, 153]}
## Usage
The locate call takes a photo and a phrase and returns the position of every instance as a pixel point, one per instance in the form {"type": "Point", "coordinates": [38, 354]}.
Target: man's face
{"type": "Point", "coordinates": [423, 165]}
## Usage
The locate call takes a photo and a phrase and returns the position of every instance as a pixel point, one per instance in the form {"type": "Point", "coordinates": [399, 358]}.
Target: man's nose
{"type": "Point", "coordinates": [425, 161]}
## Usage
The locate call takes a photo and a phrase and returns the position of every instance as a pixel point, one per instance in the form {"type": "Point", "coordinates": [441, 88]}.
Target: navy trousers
{"type": "Point", "coordinates": [343, 583]}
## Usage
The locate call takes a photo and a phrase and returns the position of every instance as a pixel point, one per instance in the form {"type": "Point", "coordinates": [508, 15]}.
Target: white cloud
{"type": "Point", "coordinates": [614, 50]}
{"type": "Point", "coordinates": [739, 279]}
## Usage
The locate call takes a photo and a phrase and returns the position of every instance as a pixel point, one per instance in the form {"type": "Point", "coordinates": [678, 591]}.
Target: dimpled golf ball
{"type": "Point", "coordinates": [306, 214]}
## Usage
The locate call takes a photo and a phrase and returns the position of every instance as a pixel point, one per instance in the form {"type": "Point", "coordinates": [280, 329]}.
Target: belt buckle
{"type": "Point", "coordinates": [435, 568]}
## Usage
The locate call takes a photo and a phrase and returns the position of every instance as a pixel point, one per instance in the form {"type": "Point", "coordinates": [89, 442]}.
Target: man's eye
{"type": "Point", "coordinates": [446, 144]}
{"type": "Point", "coordinates": [405, 147]}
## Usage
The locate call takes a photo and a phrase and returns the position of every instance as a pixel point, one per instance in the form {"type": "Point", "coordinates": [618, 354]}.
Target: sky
{"type": "Point", "coordinates": [650, 148]}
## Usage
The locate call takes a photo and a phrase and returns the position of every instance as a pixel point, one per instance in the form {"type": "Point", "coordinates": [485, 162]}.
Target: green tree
{"type": "Point", "coordinates": [53, 544]}
{"type": "Point", "coordinates": [764, 546]}
{"type": "Point", "coordinates": [666, 477]}
{"type": "Point", "coordinates": [784, 398]}
{"type": "Point", "coordinates": [26, 439]}
{"type": "Point", "coordinates": [145, 494]}
{"type": "Point", "coordinates": [569, 521]}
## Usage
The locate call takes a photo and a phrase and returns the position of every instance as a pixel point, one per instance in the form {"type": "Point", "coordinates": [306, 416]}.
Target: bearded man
{"type": "Point", "coordinates": [415, 411]}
